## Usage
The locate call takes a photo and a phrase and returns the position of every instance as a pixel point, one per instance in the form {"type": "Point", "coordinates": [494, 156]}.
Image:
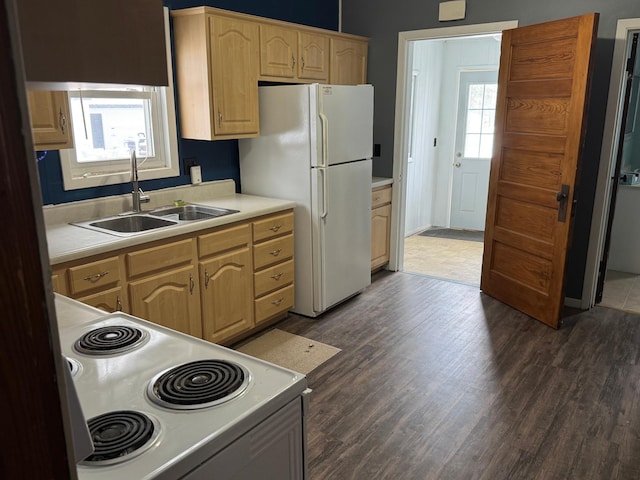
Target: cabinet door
{"type": "Point", "coordinates": [278, 51]}
{"type": "Point", "coordinates": [227, 295]}
{"type": "Point", "coordinates": [314, 56]}
{"type": "Point", "coordinates": [234, 51]}
{"type": "Point", "coordinates": [169, 299]}
{"type": "Point", "coordinates": [380, 229]}
{"type": "Point", "coordinates": [109, 300]}
{"type": "Point", "coordinates": [348, 62]}
{"type": "Point", "coordinates": [50, 121]}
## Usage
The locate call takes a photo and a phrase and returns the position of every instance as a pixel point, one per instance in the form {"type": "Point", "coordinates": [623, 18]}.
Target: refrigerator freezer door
{"type": "Point", "coordinates": [342, 237]}
{"type": "Point", "coordinates": [348, 112]}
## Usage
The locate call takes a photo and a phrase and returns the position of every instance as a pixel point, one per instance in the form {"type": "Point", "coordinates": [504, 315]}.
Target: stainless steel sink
{"type": "Point", "coordinates": [191, 212]}
{"type": "Point", "coordinates": [132, 223]}
{"type": "Point", "coordinates": [127, 225]}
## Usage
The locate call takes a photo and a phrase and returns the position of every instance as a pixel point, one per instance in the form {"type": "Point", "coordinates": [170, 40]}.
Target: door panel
{"type": "Point", "coordinates": [540, 119]}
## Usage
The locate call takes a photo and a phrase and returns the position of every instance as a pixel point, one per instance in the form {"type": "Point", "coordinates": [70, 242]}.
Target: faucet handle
{"type": "Point", "coordinates": [144, 198]}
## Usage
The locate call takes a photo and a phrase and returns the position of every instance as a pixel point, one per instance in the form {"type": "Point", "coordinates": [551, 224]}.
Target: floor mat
{"type": "Point", "coordinates": [455, 234]}
{"type": "Point", "coordinates": [288, 350]}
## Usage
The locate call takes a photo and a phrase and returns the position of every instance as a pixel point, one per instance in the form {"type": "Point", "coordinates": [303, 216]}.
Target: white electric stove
{"type": "Point", "coordinates": [164, 405]}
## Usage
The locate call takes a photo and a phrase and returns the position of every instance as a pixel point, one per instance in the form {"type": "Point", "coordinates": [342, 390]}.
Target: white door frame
{"type": "Point", "coordinates": [402, 130]}
{"type": "Point", "coordinates": [607, 160]}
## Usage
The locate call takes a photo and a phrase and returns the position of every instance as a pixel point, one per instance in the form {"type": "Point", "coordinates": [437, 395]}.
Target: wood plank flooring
{"type": "Point", "coordinates": [439, 381]}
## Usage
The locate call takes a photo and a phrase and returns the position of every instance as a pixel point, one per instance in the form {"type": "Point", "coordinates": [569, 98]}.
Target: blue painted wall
{"type": "Point", "coordinates": [219, 159]}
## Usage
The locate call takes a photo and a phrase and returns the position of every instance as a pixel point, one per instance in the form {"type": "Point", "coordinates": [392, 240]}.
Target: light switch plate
{"type": "Point", "coordinates": [196, 175]}
{"type": "Point", "coordinates": [454, 10]}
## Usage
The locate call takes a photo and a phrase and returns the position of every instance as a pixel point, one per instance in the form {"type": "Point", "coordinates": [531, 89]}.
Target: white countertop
{"type": "Point", "coordinates": [69, 242]}
{"type": "Point", "coordinates": [380, 181]}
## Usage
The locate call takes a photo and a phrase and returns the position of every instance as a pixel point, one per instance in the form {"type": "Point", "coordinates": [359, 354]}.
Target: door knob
{"type": "Point", "coordinates": [457, 164]}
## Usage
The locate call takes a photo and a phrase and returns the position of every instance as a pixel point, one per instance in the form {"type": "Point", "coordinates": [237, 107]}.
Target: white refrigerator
{"type": "Point", "coordinates": [315, 148]}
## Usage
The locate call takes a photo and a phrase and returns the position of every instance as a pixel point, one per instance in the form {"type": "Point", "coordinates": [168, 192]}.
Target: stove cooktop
{"type": "Point", "coordinates": [124, 380]}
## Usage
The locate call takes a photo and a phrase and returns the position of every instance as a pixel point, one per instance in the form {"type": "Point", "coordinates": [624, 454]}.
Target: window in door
{"type": "Point", "coordinates": [480, 118]}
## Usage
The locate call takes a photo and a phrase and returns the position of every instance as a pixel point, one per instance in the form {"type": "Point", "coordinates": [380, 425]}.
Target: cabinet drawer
{"type": "Point", "coordinates": [273, 251]}
{"type": "Point", "coordinates": [222, 240]}
{"type": "Point", "coordinates": [273, 278]}
{"type": "Point", "coordinates": [159, 258]}
{"type": "Point", "coordinates": [96, 275]}
{"type": "Point", "coordinates": [381, 196]}
{"type": "Point", "coordinates": [274, 303]}
{"type": "Point", "coordinates": [272, 226]}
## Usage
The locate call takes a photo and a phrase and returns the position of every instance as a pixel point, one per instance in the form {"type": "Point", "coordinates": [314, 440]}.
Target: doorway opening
{"type": "Point", "coordinates": [620, 284]}
{"type": "Point", "coordinates": [451, 84]}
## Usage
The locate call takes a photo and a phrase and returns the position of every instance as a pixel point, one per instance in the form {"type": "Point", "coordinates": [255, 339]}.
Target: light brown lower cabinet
{"type": "Point", "coordinates": [168, 299]}
{"type": "Point", "coordinates": [201, 284]}
{"type": "Point", "coordinates": [380, 226]}
{"type": "Point", "coordinates": [107, 300]}
{"type": "Point", "coordinates": [226, 283]}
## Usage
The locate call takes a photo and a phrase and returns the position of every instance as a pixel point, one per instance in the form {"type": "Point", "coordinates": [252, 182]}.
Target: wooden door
{"type": "Point", "coordinates": [227, 295]}
{"type": "Point", "coordinates": [169, 299]}
{"type": "Point", "coordinates": [540, 121]}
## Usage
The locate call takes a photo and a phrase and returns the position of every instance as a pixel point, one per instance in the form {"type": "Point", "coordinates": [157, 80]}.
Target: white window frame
{"type": "Point", "coordinates": [166, 162]}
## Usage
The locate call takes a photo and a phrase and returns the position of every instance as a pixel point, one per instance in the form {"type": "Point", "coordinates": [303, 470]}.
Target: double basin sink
{"type": "Point", "coordinates": [130, 224]}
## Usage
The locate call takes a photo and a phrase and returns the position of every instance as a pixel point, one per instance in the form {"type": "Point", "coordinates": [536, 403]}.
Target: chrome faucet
{"type": "Point", "coordinates": [137, 195]}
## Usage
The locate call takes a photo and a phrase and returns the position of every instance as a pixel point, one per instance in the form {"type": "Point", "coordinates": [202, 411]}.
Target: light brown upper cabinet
{"type": "Point", "coordinates": [217, 75]}
{"type": "Point", "coordinates": [348, 61]}
{"type": "Point", "coordinates": [289, 54]}
{"type": "Point", "coordinates": [50, 120]}
{"type": "Point", "coordinates": [220, 56]}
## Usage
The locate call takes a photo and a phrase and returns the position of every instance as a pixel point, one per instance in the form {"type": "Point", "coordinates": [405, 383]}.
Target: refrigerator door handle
{"type": "Point", "coordinates": [324, 121]}
{"type": "Point", "coordinates": [325, 207]}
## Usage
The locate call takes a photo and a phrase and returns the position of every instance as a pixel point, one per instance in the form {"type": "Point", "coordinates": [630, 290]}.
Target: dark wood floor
{"type": "Point", "coordinates": [438, 381]}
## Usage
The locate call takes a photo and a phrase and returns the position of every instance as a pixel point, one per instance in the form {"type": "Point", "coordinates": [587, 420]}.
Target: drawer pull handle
{"type": "Point", "coordinates": [278, 301]}
{"type": "Point", "coordinates": [275, 253]}
{"type": "Point", "coordinates": [375, 199]}
{"type": "Point", "coordinates": [96, 277]}
{"type": "Point", "coordinates": [275, 228]}
{"type": "Point", "coordinates": [118, 304]}
{"type": "Point", "coordinates": [276, 276]}
{"type": "Point", "coordinates": [207, 277]}
{"type": "Point", "coordinates": [191, 284]}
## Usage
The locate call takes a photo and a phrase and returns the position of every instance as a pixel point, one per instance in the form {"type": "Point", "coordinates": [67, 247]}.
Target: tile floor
{"type": "Point", "coordinates": [458, 260]}
{"type": "Point", "coordinates": [621, 291]}
{"type": "Point", "coordinates": [461, 261]}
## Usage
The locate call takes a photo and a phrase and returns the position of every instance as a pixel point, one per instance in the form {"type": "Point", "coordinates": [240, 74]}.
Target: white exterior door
{"type": "Point", "coordinates": [474, 143]}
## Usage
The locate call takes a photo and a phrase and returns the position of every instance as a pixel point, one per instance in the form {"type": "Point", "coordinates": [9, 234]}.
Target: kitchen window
{"type": "Point", "coordinates": [109, 123]}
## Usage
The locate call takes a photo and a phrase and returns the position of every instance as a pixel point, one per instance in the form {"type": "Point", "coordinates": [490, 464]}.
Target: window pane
{"type": "Point", "coordinates": [490, 95]}
{"type": "Point", "coordinates": [488, 120]}
{"type": "Point", "coordinates": [486, 146]}
{"type": "Point", "coordinates": [471, 145]}
{"type": "Point", "coordinates": [474, 121]}
{"type": "Point", "coordinates": [476, 94]}
{"type": "Point", "coordinates": [111, 128]}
